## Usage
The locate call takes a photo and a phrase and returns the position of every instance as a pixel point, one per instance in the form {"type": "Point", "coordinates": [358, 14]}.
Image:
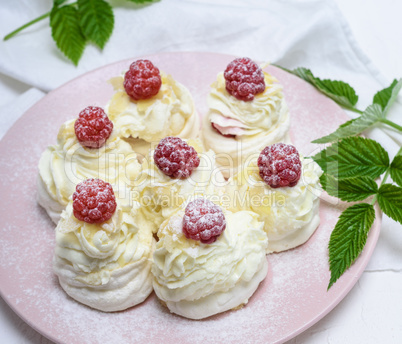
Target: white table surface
{"type": "Point", "coordinates": [372, 311]}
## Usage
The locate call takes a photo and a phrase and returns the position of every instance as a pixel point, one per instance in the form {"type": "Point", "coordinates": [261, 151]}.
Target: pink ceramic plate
{"type": "Point", "coordinates": [294, 295]}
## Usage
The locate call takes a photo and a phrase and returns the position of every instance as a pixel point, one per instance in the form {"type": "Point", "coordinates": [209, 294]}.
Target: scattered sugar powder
{"type": "Point", "coordinates": [283, 298]}
{"type": "Point", "coordinates": [293, 293]}
{"type": "Point", "coordinates": [176, 225]}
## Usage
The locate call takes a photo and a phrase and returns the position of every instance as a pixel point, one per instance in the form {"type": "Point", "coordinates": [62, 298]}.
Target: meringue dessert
{"type": "Point", "coordinates": [102, 258]}
{"type": "Point", "coordinates": [207, 260]}
{"type": "Point", "coordinates": [284, 190]}
{"type": "Point", "coordinates": [141, 203]}
{"type": "Point", "coordinates": [247, 111]}
{"type": "Point", "coordinates": [72, 160]}
{"type": "Point", "coordinates": [164, 108]}
{"type": "Point", "coordinates": [176, 172]}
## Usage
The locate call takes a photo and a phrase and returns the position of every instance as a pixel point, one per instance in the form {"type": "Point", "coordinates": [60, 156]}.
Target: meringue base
{"type": "Point", "coordinates": [129, 286]}
{"type": "Point", "coordinates": [299, 236]}
{"type": "Point", "coordinates": [219, 302]}
{"type": "Point", "coordinates": [52, 207]}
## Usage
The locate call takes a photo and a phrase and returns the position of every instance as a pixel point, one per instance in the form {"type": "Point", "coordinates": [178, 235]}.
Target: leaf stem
{"type": "Point", "coordinates": [382, 183]}
{"type": "Point", "coordinates": [354, 110]}
{"type": "Point", "coordinates": [12, 34]}
{"type": "Point", "coordinates": [43, 16]}
{"type": "Point", "coordinates": [391, 124]}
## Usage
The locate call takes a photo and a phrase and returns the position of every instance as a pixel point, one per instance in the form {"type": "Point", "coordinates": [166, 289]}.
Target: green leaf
{"type": "Point", "coordinates": [390, 200]}
{"type": "Point", "coordinates": [350, 189]}
{"type": "Point", "coordinates": [347, 123]}
{"type": "Point", "coordinates": [96, 20]}
{"type": "Point", "coordinates": [348, 238]}
{"type": "Point", "coordinates": [339, 91]}
{"type": "Point", "coordinates": [353, 157]}
{"type": "Point", "coordinates": [396, 170]}
{"type": "Point", "coordinates": [386, 97]}
{"type": "Point", "coordinates": [66, 32]}
{"type": "Point", "coordinates": [58, 2]}
{"type": "Point", "coordinates": [372, 115]}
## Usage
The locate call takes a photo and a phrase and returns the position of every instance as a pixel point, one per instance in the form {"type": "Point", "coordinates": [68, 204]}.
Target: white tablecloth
{"type": "Point", "coordinates": [358, 42]}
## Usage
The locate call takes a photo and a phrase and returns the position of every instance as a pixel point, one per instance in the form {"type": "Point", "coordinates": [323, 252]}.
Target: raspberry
{"type": "Point", "coordinates": [203, 221]}
{"type": "Point", "coordinates": [94, 201]}
{"type": "Point", "coordinates": [93, 127]}
{"type": "Point", "coordinates": [142, 80]}
{"type": "Point", "coordinates": [244, 79]}
{"type": "Point", "coordinates": [176, 158]}
{"type": "Point", "coordinates": [280, 165]}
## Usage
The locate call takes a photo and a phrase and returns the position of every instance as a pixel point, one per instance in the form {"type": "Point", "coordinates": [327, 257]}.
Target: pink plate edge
{"type": "Point", "coordinates": [360, 264]}
{"type": "Point", "coordinates": [358, 267]}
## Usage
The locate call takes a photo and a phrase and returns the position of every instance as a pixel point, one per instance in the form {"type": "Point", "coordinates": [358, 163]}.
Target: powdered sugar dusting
{"type": "Point", "coordinates": [203, 220]}
{"type": "Point", "coordinates": [142, 80]}
{"type": "Point", "coordinates": [93, 127]}
{"type": "Point", "coordinates": [175, 158]}
{"type": "Point", "coordinates": [244, 79]}
{"type": "Point", "coordinates": [94, 201]}
{"type": "Point", "coordinates": [292, 296]}
{"type": "Point", "coordinates": [280, 165]}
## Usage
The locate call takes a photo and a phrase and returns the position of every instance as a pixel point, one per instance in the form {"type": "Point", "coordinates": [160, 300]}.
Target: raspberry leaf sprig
{"type": "Point", "coordinates": [375, 114]}
{"type": "Point", "coordinates": [76, 24]}
{"type": "Point", "coordinates": [350, 165]}
{"type": "Point", "coordinates": [339, 91]}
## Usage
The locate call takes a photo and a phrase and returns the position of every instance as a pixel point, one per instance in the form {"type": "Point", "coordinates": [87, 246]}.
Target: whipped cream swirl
{"type": "Point", "coordinates": [169, 113]}
{"type": "Point", "coordinates": [105, 266]}
{"type": "Point", "coordinates": [64, 165]}
{"type": "Point", "coordinates": [290, 214]}
{"type": "Point", "coordinates": [248, 126]}
{"type": "Point", "coordinates": [161, 195]}
{"type": "Point", "coordinates": [262, 115]}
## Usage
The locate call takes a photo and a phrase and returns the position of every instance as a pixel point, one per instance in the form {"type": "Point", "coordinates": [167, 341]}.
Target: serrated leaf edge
{"type": "Point", "coordinates": [396, 172]}
{"type": "Point", "coordinates": [366, 221]}
{"type": "Point", "coordinates": [339, 166]}
{"type": "Point", "coordinates": [343, 188]}
{"type": "Point", "coordinates": [58, 29]}
{"type": "Point", "coordinates": [387, 206]}
{"type": "Point", "coordinates": [85, 17]}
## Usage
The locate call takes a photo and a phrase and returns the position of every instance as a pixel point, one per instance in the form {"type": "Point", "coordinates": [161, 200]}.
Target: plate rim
{"type": "Point", "coordinates": [362, 263]}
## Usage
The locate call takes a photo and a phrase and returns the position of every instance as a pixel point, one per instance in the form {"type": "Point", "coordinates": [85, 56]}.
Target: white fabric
{"type": "Point", "coordinates": [290, 32]}
{"type": "Point", "coordinates": [310, 33]}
